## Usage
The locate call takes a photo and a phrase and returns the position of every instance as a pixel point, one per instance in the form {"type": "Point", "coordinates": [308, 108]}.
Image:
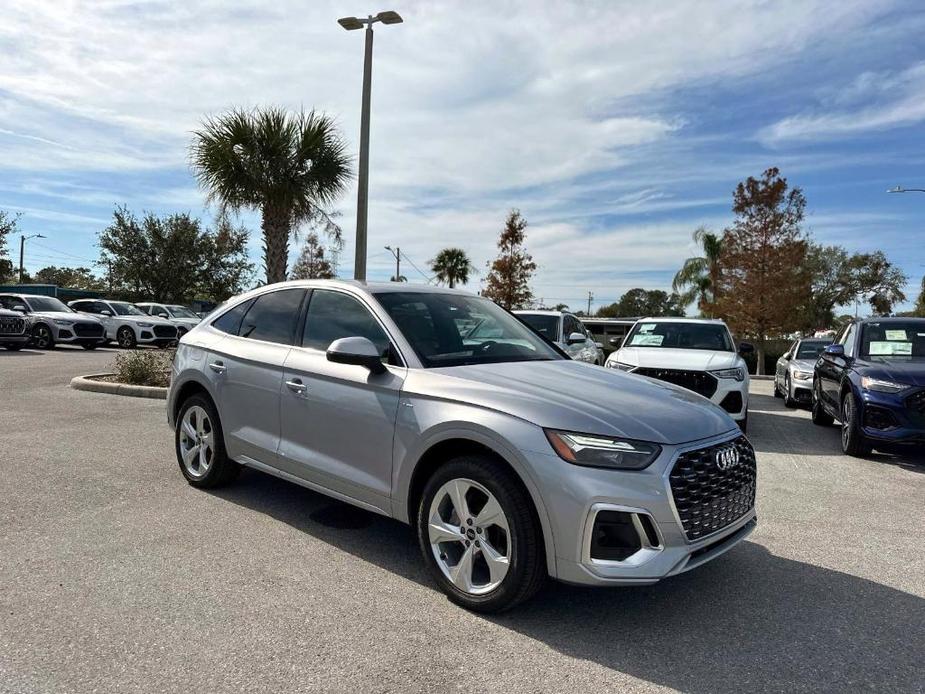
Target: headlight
{"type": "Point", "coordinates": [59, 321]}
{"type": "Point", "coordinates": [868, 383]}
{"type": "Point", "coordinates": [145, 325]}
{"type": "Point", "coordinates": [802, 375]}
{"type": "Point", "coordinates": [602, 451]}
{"type": "Point", "coordinates": [737, 373]}
{"type": "Point", "coordinates": [614, 364]}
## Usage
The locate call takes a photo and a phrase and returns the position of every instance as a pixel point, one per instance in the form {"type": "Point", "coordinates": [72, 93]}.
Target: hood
{"type": "Point", "coordinates": [185, 322]}
{"type": "Point", "coordinates": [911, 372]}
{"type": "Point", "coordinates": [670, 358]}
{"type": "Point", "coordinates": [156, 320]}
{"type": "Point", "coordinates": [64, 315]}
{"type": "Point", "coordinates": [573, 396]}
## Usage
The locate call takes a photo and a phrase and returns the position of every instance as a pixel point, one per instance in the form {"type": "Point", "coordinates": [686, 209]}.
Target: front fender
{"type": "Point", "coordinates": [423, 423]}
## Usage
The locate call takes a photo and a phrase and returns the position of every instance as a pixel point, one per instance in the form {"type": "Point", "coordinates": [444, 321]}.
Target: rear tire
{"type": "Point", "coordinates": [125, 337]}
{"type": "Point", "coordinates": [820, 416]}
{"type": "Point", "coordinates": [493, 546]}
{"type": "Point", "coordinates": [200, 445]}
{"type": "Point", "coordinates": [853, 441]}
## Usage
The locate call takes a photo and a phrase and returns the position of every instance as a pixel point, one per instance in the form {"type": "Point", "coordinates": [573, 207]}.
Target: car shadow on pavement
{"type": "Point", "coordinates": [774, 428]}
{"type": "Point", "coordinates": [748, 621]}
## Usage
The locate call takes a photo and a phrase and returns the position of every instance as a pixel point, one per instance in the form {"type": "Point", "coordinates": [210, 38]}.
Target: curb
{"type": "Point", "coordinates": [89, 383]}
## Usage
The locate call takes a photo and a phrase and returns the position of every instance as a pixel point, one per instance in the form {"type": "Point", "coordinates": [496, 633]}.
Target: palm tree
{"type": "Point", "coordinates": [698, 278]}
{"type": "Point", "coordinates": [452, 266]}
{"type": "Point", "coordinates": [291, 167]}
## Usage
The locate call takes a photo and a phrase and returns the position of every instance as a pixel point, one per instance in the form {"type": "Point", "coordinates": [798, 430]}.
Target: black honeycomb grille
{"type": "Point", "coordinates": [698, 381]}
{"type": "Point", "coordinates": [916, 402]}
{"type": "Point", "coordinates": [707, 498]}
{"type": "Point", "coordinates": [11, 325]}
{"type": "Point", "coordinates": [88, 330]}
{"type": "Point", "coordinates": [165, 331]}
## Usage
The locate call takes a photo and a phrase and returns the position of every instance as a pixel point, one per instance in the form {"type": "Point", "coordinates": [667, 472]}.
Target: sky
{"type": "Point", "coordinates": [616, 128]}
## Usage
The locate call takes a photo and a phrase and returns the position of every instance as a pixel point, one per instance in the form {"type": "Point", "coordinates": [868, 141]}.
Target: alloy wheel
{"type": "Point", "coordinates": [847, 420]}
{"type": "Point", "coordinates": [196, 441]}
{"type": "Point", "coordinates": [469, 536]}
{"type": "Point", "coordinates": [42, 337]}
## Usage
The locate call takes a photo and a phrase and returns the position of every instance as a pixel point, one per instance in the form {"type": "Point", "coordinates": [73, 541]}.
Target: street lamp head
{"type": "Point", "coordinates": [389, 17]}
{"type": "Point", "coordinates": [897, 189]}
{"type": "Point", "coordinates": [350, 23]}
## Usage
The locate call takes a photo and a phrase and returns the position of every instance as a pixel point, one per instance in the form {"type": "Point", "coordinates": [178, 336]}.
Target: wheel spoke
{"type": "Point", "coordinates": [203, 459]}
{"type": "Point", "coordinates": [207, 440]}
{"type": "Point", "coordinates": [189, 430]}
{"type": "Point", "coordinates": [497, 563]}
{"type": "Point", "coordinates": [200, 423]}
{"type": "Point", "coordinates": [457, 492]}
{"type": "Point", "coordinates": [491, 514]}
{"type": "Point", "coordinates": [461, 574]}
{"type": "Point", "coordinates": [189, 455]}
{"type": "Point", "coordinates": [443, 532]}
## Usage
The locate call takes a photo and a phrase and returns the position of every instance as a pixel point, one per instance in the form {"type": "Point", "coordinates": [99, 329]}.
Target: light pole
{"type": "Point", "coordinates": [900, 189]}
{"type": "Point", "coordinates": [351, 23]}
{"type": "Point", "coordinates": [22, 246]}
{"type": "Point", "coordinates": [397, 254]}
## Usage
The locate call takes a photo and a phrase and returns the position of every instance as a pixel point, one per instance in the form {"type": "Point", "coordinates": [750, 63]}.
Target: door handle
{"type": "Point", "coordinates": [296, 386]}
{"type": "Point", "coordinates": [217, 367]}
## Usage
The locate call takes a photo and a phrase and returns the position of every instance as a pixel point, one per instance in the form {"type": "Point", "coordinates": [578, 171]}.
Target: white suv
{"type": "Point", "coordinates": [695, 353]}
{"type": "Point", "coordinates": [127, 324]}
{"type": "Point", "coordinates": [180, 316]}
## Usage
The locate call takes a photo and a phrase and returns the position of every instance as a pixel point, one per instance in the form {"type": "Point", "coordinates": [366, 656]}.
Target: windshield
{"type": "Point", "coordinates": [545, 325]}
{"type": "Point", "coordinates": [46, 303]}
{"type": "Point", "coordinates": [811, 349]}
{"type": "Point", "coordinates": [899, 340]}
{"type": "Point", "coordinates": [123, 308]}
{"type": "Point", "coordinates": [454, 330]}
{"type": "Point", "coordinates": [712, 336]}
{"type": "Point", "coordinates": [181, 312]}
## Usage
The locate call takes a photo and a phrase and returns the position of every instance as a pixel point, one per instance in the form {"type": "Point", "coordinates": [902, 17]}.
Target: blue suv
{"type": "Point", "coordinates": [872, 380]}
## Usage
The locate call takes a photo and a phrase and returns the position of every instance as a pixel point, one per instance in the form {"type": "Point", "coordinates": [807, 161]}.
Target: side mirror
{"type": "Point", "coordinates": [746, 348]}
{"type": "Point", "coordinates": [162, 315]}
{"type": "Point", "coordinates": [20, 308]}
{"type": "Point", "coordinates": [599, 345]}
{"type": "Point", "coordinates": [615, 341]}
{"type": "Point", "coordinates": [356, 350]}
{"type": "Point", "coordinates": [835, 351]}
{"type": "Point", "coordinates": [106, 312]}
{"type": "Point", "coordinates": [575, 339]}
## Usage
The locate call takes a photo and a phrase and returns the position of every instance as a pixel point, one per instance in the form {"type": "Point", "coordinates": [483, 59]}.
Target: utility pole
{"type": "Point", "coordinates": [590, 297]}
{"type": "Point", "coordinates": [351, 23]}
{"type": "Point", "coordinates": [22, 245]}
{"type": "Point", "coordinates": [397, 253]}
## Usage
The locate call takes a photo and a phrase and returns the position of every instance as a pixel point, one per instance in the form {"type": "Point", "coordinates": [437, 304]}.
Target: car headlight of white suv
{"type": "Point", "coordinates": [145, 325]}
{"type": "Point", "coordinates": [738, 373]}
{"type": "Point", "coordinates": [66, 323]}
{"type": "Point", "coordinates": [614, 364]}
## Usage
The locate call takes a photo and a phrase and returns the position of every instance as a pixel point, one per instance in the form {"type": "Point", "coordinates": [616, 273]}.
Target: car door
{"type": "Point", "coordinates": [832, 367]}
{"type": "Point", "coordinates": [338, 420]}
{"type": "Point", "coordinates": [248, 367]}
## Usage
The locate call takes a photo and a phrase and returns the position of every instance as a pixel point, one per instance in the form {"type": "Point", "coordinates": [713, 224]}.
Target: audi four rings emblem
{"type": "Point", "coordinates": [727, 458]}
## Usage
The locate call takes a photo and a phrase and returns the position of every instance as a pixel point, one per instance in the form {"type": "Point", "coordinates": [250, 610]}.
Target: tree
{"type": "Point", "coordinates": [171, 259]}
{"type": "Point", "coordinates": [452, 266]}
{"type": "Point", "coordinates": [920, 302]}
{"type": "Point", "coordinates": [7, 226]}
{"type": "Point", "coordinates": [698, 277]}
{"type": "Point", "coordinates": [560, 307]}
{"type": "Point", "coordinates": [878, 281]}
{"type": "Point", "coordinates": [292, 167]}
{"type": "Point", "coordinates": [311, 263]}
{"type": "Point", "coordinates": [644, 302]}
{"type": "Point", "coordinates": [763, 274]}
{"type": "Point", "coordinates": [831, 284]}
{"type": "Point", "coordinates": [75, 277]}
{"type": "Point", "coordinates": [508, 280]}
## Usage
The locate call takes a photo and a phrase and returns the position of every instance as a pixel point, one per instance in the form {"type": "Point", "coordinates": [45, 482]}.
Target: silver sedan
{"type": "Point", "coordinates": [793, 377]}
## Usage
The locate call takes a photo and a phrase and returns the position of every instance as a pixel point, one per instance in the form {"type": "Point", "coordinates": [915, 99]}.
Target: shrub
{"type": "Point", "coordinates": [144, 367]}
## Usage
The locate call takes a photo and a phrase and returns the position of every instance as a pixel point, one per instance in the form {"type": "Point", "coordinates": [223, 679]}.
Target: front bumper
{"type": "Point", "coordinates": [15, 339]}
{"type": "Point", "coordinates": [77, 335]}
{"type": "Point", "coordinates": [896, 419]}
{"type": "Point", "coordinates": [575, 496]}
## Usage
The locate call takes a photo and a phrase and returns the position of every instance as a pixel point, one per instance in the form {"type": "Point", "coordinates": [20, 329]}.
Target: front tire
{"type": "Point", "coordinates": [200, 445]}
{"type": "Point", "coordinates": [788, 399]}
{"type": "Point", "coordinates": [42, 337]}
{"type": "Point", "coordinates": [479, 536]}
{"type": "Point", "coordinates": [820, 416]}
{"type": "Point", "coordinates": [853, 441]}
{"type": "Point", "coordinates": [126, 338]}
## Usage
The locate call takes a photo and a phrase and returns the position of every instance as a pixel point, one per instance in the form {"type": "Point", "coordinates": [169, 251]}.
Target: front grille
{"type": "Point", "coordinates": [707, 498]}
{"type": "Point", "coordinates": [916, 402]}
{"type": "Point", "coordinates": [165, 331]}
{"type": "Point", "coordinates": [88, 330]}
{"type": "Point", "coordinates": [697, 381]}
{"type": "Point", "coordinates": [11, 325]}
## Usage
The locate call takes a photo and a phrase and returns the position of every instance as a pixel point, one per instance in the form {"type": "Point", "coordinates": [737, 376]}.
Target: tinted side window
{"type": "Point", "coordinates": [230, 321]}
{"type": "Point", "coordinates": [571, 326]}
{"type": "Point", "coordinates": [332, 315]}
{"type": "Point", "coordinates": [273, 316]}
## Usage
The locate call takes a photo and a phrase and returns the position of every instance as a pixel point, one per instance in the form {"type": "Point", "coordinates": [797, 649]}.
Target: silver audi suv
{"type": "Point", "coordinates": [511, 461]}
{"type": "Point", "coordinates": [54, 323]}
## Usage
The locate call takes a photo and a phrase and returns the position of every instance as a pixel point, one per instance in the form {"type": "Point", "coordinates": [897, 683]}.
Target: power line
{"type": "Point", "coordinates": [429, 278]}
{"type": "Point", "coordinates": [64, 253]}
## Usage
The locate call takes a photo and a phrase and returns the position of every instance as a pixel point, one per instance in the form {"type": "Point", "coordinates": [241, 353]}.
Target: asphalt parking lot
{"type": "Point", "coordinates": [115, 575]}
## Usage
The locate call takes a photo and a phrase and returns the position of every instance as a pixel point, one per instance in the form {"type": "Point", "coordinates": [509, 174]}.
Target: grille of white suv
{"type": "Point", "coordinates": [12, 325]}
{"type": "Point", "coordinates": [707, 497]}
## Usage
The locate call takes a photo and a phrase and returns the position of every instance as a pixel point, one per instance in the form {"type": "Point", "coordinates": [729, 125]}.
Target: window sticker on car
{"type": "Point", "coordinates": [891, 348]}
{"type": "Point", "coordinates": [647, 340]}
{"type": "Point", "coordinates": [647, 327]}
{"type": "Point", "coordinates": [895, 335]}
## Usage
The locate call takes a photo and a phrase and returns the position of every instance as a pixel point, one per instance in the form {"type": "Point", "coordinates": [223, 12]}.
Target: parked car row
{"type": "Point", "coordinates": [90, 323]}
{"type": "Point", "coordinates": [512, 461]}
